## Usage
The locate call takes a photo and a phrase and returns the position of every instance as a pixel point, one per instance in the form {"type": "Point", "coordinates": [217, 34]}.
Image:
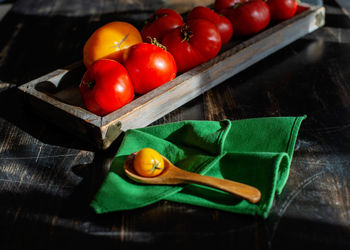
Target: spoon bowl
{"type": "Point", "coordinates": [172, 175]}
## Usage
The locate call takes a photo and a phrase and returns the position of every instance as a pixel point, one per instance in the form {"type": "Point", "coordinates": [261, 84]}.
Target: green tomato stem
{"type": "Point", "coordinates": [91, 84]}
{"type": "Point", "coordinates": [155, 42]}
{"type": "Point", "coordinates": [156, 166]}
{"type": "Point", "coordinates": [186, 33]}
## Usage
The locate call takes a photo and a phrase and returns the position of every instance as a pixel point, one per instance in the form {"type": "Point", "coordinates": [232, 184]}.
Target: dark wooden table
{"type": "Point", "coordinates": [48, 176]}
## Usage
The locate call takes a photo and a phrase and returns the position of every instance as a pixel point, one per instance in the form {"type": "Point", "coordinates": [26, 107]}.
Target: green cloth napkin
{"type": "Point", "coordinates": [256, 151]}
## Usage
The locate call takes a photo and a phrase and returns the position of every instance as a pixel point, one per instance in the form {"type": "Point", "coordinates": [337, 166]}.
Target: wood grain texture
{"type": "Point", "coordinates": [48, 176]}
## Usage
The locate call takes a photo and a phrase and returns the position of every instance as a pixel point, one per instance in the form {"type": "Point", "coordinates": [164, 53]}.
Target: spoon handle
{"type": "Point", "coordinates": [241, 190]}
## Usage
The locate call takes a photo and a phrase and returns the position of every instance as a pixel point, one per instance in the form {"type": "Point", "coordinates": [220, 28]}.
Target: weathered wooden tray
{"type": "Point", "coordinates": [56, 97]}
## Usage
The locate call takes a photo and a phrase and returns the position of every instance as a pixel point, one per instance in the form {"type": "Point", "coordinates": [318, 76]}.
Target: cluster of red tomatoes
{"type": "Point", "coordinates": [122, 61]}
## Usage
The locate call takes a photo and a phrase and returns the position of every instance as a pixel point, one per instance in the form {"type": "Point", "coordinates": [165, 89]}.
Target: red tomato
{"type": "Point", "coordinates": [282, 9]}
{"type": "Point", "coordinates": [160, 23]}
{"type": "Point", "coordinates": [222, 23]}
{"type": "Point", "coordinates": [105, 87]}
{"type": "Point", "coordinates": [301, 9]}
{"type": "Point", "coordinates": [248, 18]}
{"type": "Point", "coordinates": [224, 4]}
{"type": "Point", "coordinates": [195, 42]}
{"type": "Point", "coordinates": [149, 66]}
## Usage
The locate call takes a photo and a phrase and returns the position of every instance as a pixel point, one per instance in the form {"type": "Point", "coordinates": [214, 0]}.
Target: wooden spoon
{"type": "Point", "coordinates": [173, 175]}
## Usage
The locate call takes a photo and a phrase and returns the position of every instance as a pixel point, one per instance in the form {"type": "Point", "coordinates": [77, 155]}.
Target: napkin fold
{"type": "Point", "coordinates": [255, 151]}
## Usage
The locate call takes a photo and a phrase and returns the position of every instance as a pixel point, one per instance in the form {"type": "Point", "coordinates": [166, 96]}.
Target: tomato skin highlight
{"type": "Point", "coordinates": [109, 41]}
{"type": "Point", "coordinates": [105, 87]}
{"type": "Point", "coordinates": [195, 42]}
{"type": "Point", "coordinates": [282, 9]}
{"type": "Point", "coordinates": [249, 17]}
{"type": "Point", "coordinates": [225, 28]}
{"type": "Point", "coordinates": [162, 21]}
{"type": "Point", "coordinates": [222, 23]}
{"type": "Point", "coordinates": [149, 66]}
{"type": "Point", "coordinates": [148, 162]}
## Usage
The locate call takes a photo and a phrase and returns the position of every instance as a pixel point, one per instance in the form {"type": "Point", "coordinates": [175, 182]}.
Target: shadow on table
{"type": "Point", "coordinates": [15, 110]}
{"type": "Point", "coordinates": [179, 228]}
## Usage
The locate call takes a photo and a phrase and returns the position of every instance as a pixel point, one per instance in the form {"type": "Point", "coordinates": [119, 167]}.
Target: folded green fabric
{"type": "Point", "coordinates": [256, 151]}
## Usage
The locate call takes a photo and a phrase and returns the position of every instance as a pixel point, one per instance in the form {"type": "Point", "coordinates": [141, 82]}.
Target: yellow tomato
{"type": "Point", "coordinates": [109, 41]}
{"type": "Point", "coordinates": [148, 162]}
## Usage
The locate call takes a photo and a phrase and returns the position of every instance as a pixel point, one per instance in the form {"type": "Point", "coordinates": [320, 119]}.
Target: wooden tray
{"type": "Point", "coordinates": [56, 97]}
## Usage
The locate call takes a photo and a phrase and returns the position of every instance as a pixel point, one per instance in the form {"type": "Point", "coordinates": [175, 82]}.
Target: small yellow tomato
{"type": "Point", "coordinates": [148, 162]}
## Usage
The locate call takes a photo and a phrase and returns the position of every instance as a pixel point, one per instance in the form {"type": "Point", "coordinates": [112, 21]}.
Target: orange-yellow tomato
{"type": "Point", "coordinates": [148, 162]}
{"type": "Point", "coordinates": [109, 41]}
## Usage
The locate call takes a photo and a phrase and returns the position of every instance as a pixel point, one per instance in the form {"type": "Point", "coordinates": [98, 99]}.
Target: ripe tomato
{"type": "Point", "coordinates": [195, 42]}
{"type": "Point", "coordinates": [282, 9]}
{"type": "Point", "coordinates": [105, 87]}
{"type": "Point", "coordinates": [222, 23]}
{"type": "Point", "coordinates": [224, 4]}
{"type": "Point", "coordinates": [301, 9]}
{"type": "Point", "coordinates": [149, 66]}
{"type": "Point", "coordinates": [249, 17]}
{"type": "Point", "coordinates": [109, 41]}
{"type": "Point", "coordinates": [148, 162]}
{"type": "Point", "coordinates": [160, 23]}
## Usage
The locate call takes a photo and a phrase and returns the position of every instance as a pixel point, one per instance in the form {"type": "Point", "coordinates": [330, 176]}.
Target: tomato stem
{"type": "Point", "coordinates": [186, 33]}
{"type": "Point", "coordinates": [154, 41]}
{"type": "Point", "coordinates": [91, 84]}
{"type": "Point", "coordinates": [155, 17]}
{"type": "Point", "coordinates": [237, 5]}
{"type": "Point", "coordinates": [156, 166]}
